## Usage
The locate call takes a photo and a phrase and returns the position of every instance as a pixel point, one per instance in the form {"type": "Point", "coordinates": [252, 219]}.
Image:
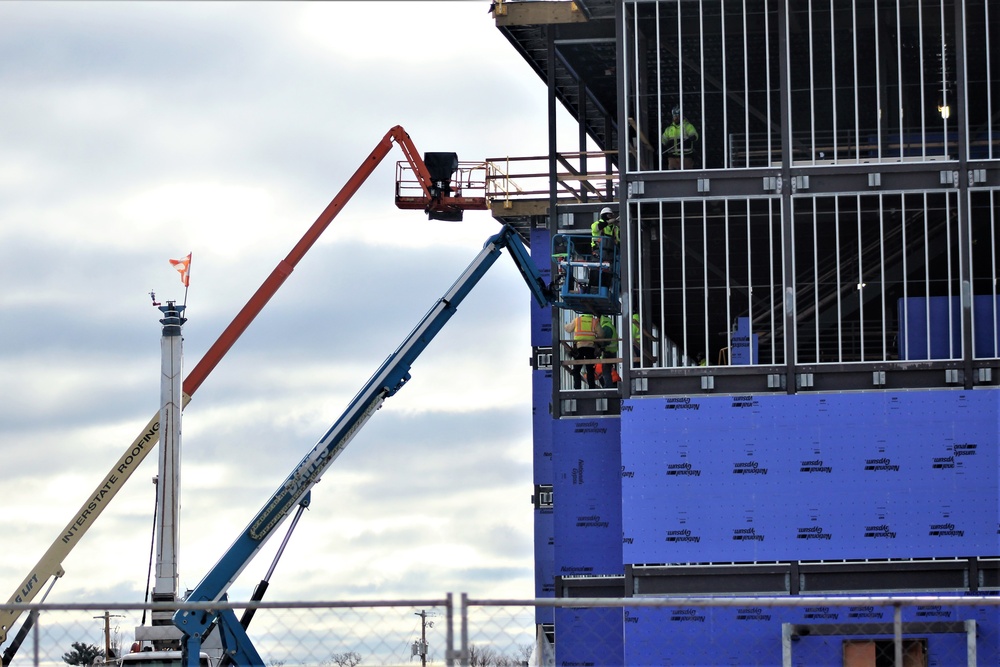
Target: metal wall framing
{"type": "Point", "coordinates": [868, 81]}
{"type": "Point", "coordinates": [841, 205]}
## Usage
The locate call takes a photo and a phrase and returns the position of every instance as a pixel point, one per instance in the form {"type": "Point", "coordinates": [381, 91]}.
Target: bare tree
{"type": "Point", "coordinates": [487, 656]}
{"type": "Point", "coordinates": [482, 656]}
{"type": "Point", "coordinates": [348, 659]}
{"type": "Point", "coordinates": [116, 643]}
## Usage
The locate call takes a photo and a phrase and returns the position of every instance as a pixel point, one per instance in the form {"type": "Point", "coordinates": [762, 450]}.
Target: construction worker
{"type": "Point", "coordinates": [584, 328]}
{"type": "Point", "coordinates": [606, 226]}
{"type": "Point", "coordinates": [679, 140]}
{"type": "Point", "coordinates": [609, 350]}
{"type": "Point", "coordinates": [604, 239]}
{"type": "Point", "coordinates": [636, 338]}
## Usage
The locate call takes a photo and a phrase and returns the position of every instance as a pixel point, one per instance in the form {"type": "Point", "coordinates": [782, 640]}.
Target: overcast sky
{"type": "Point", "coordinates": [132, 133]}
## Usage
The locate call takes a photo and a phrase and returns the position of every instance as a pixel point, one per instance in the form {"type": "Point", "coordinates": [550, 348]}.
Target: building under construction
{"type": "Point", "coordinates": [807, 353]}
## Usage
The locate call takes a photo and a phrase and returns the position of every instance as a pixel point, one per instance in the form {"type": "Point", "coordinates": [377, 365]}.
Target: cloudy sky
{"type": "Point", "coordinates": [131, 133]}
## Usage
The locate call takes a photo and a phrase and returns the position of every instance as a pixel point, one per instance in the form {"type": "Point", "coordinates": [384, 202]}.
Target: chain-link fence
{"type": "Point", "coordinates": [842, 631]}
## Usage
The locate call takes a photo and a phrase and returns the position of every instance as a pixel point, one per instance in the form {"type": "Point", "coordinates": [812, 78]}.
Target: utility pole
{"type": "Point", "coordinates": [420, 648]}
{"type": "Point", "coordinates": [107, 634]}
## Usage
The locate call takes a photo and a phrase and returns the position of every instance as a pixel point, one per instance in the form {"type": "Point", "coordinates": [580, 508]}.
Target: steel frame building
{"type": "Point", "coordinates": [819, 287]}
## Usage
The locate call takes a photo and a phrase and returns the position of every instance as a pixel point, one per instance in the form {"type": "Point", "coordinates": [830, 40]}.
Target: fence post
{"type": "Point", "coordinates": [465, 630]}
{"type": "Point", "coordinates": [449, 649]}
{"type": "Point", "coordinates": [34, 634]}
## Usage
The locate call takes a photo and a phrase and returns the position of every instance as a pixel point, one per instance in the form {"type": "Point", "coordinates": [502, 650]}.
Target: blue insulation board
{"type": "Point", "coordinates": [590, 638]}
{"type": "Point", "coordinates": [544, 549]}
{"type": "Point", "coordinates": [586, 462]}
{"type": "Point", "coordinates": [541, 318]}
{"type": "Point", "coordinates": [541, 426]}
{"type": "Point", "coordinates": [832, 476]}
{"type": "Point", "coordinates": [932, 327]}
{"type": "Point", "coordinates": [544, 562]}
{"type": "Point", "coordinates": [544, 520]}
{"type": "Point", "coordinates": [541, 388]}
{"type": "Point", "coordinates": [685, 635]}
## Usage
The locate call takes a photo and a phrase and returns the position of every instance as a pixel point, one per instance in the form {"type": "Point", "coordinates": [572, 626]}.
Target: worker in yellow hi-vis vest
{"type": "Point", "coordinates": [584, 327]}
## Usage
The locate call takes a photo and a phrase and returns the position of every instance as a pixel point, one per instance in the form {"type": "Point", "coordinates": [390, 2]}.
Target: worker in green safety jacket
{"type": "Point", "coordinates": [609, 350]}
{"type": "Point", "coordinates": [606, 226]}
{"type": "Point", "coordinates": [678, 141]}
{"type": "Point", "coordinates": [636, 338]}
{"type": "Point", "coordinates": [604, 239]}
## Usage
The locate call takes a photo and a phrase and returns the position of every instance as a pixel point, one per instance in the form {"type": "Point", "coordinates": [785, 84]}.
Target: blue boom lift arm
{"type": "Point", "coordinates": [390, 377]}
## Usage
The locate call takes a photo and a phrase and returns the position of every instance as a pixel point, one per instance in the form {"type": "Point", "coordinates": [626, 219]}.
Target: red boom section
{"type": "Point", "coordinates": [285, 267]}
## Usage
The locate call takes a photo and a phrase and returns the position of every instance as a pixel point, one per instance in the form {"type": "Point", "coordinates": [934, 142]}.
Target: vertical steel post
{"type": "Point", "coordinates": [785, 190]}
{"type": "Point", "coordinates": [34, 635]}
{"type": "Point", "coordinates": [449, 639]}
{"type": "Point", "coordinates": [165, 588]}
{"type": "Point", "coordinates": [553, 212]}
{"type": "Point", "coordinates": [465, 629]}
{"type": "Point", "coordinates": [964, 199]}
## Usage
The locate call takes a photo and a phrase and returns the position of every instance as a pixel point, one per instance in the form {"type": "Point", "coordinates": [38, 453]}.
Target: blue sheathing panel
{"type": "Point", "coordinates": [743, 344]}
{"type": "Point", "coordinates": [544, 561]}
{"type": "Point", "coordinates": [541, 318]}
{"type": "Point", "coordinates": [587, 516]}
{"type": "Point", "coordinates": [541, 426]}
{"type": "Point", "coordinates": [985, 326]}
{"type": "Point", "coordinates": [808, 477]}
{"type": "Point", "coordinates": [541, 383]}
{"type": "Point", "coordinates": [541, 387]}
{"type": "Point", "coordinates": [932, 327]}
{"type": "Point", "coordinates": [544, 521]}
{"type": "Point", "coordinates": [690, 636]}
{"type": "Point", "coordinates": [587, 497]}
{"type": "Point", "coordinates": [590, 638]}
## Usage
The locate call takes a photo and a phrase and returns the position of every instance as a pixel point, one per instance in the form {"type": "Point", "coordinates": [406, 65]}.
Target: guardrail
{"type": "Point", "coordinates": [501, 181]}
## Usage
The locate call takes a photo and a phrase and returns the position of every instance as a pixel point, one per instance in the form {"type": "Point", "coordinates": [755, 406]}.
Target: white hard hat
{"type": "Point", "coordinates": [605, 210]}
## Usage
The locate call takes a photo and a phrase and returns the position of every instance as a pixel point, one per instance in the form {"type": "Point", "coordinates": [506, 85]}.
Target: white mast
{"type": "Point", "coordinates": [168, 488]}
{"type": "Point", "coordinates": [165, 588]}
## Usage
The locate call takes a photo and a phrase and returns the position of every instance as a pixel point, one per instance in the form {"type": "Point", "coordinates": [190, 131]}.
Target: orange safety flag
{"type": "Point", "coordinates": [183, 267]}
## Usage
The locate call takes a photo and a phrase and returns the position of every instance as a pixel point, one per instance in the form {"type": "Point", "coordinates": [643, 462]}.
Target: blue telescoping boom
{"type": "Point", "coordinates": [390, 377]}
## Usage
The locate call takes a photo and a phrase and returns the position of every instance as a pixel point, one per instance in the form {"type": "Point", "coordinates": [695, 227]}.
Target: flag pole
{"type": "Point", "coordinates": [184, 267]}
{"type": "Point", "coordinates": [187, 283]}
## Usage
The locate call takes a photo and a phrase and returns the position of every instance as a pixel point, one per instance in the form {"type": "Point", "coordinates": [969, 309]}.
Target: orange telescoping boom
{"type": "Point", "coordinates": [436, 200]}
